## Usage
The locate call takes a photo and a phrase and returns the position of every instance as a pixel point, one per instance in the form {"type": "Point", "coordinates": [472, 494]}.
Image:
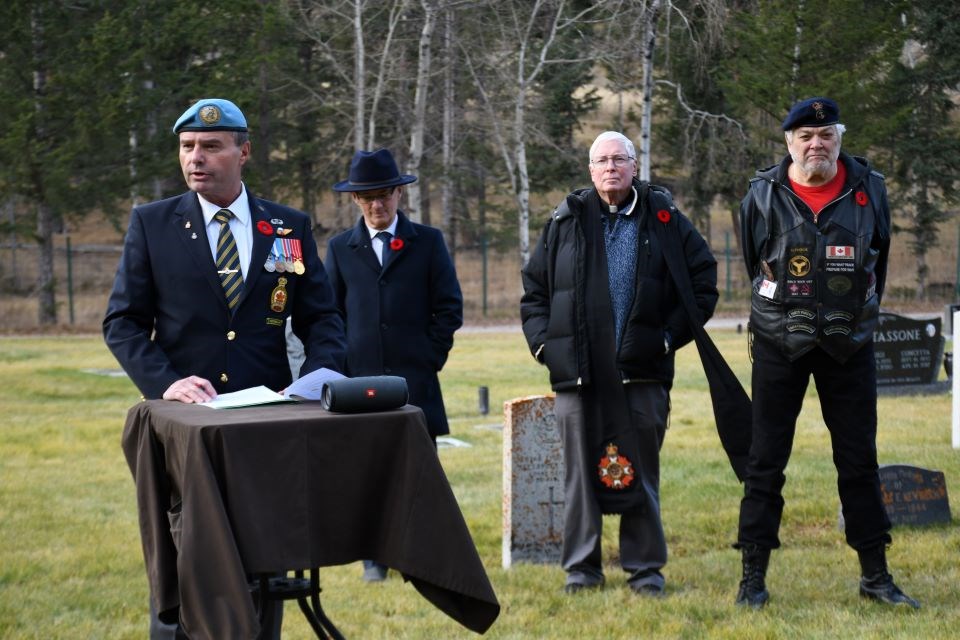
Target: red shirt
{"type": "Point", "coordinates": [820, 196]}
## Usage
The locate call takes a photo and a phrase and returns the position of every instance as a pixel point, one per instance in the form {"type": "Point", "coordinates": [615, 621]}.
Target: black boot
{"type": "Point", "coordinates": [876, 583]}
{"type": "Point", "coordinates": [753, 590]}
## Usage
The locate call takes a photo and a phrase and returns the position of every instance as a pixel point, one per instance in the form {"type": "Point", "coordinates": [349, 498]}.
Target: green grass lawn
{"type": "Point", "coordinates": [71, 564]}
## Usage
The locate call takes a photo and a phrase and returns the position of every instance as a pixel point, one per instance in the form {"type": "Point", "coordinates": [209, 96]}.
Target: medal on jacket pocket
{"type": "Point", "coordinates": [278, 297]}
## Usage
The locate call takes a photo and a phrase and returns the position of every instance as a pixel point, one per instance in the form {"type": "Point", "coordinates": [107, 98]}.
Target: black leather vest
{"type": "Point", "coordinates": [826, 291]}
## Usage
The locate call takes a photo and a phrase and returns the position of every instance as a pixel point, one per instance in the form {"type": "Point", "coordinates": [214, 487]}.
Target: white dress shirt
{"type": "Point", "coordinates": [240, 227]}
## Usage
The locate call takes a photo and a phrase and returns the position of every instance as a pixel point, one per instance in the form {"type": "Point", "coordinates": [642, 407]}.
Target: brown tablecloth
{"type": "Point", "coordinates": [292, 486]}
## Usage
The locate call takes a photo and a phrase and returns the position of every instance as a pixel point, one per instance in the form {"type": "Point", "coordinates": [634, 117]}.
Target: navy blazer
{"type": "Point", "coordinates": [400, 319]}
{"type": "Point", "coordinates": [167, 317]}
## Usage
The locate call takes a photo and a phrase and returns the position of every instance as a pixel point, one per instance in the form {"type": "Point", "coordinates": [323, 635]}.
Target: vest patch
{"type": "Point", "coordinates": [839, 285]}
{"type": "Point", "coordinates": [793, 327]}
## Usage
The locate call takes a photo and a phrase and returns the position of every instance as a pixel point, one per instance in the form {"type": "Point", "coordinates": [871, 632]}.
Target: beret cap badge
{"type": "Point", "coordinates": [209, 114]}
{"type": "Point", "coordinates": [812, 112]}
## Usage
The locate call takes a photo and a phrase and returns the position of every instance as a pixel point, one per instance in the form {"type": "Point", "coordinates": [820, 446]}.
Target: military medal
{"type": "Point", "coordinates": [287, 256]}
{"type": "Point", "coordinates": [616, 471]}
{"type": "Point", "coordinates": [297, 249]}
{"type": "Point", "coordinates": [278, 256]}
{"type": "Point", "coordinates": [278, 297]}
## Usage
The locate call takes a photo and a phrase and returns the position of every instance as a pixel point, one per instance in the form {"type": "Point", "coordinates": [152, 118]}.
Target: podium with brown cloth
{"type": "Point", "coordinates": [223, 494]}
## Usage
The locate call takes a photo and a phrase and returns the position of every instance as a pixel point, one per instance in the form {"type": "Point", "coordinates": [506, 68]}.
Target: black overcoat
{"type": "Point", "coordinates": [400, 319]}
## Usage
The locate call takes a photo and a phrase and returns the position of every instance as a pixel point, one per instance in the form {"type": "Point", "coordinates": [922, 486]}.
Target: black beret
{"type": "Point", "coordinates": [812, 112]}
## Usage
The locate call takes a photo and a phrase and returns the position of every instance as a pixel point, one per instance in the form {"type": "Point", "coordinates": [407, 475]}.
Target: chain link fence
{"type": "Point", "coordinates": [489, 277]}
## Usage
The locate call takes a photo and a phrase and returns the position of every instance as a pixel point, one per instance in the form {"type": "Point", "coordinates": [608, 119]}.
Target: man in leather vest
{"type": "Point", "coordinates": [815, 231]}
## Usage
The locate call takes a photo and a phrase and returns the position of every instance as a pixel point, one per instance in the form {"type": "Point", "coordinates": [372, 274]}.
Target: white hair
{"type": "Point", "coordinates": [840, 128]}
{"type": "Point", "coordinates": [613, 135]}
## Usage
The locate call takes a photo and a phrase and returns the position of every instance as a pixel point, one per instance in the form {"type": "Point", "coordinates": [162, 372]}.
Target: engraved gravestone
{"type": "Point", "coordinates": [908, 353]}
{"type": "Point", "coordinates": [913, 495]}
{"type": "Point", "coordinates": [533, 472]}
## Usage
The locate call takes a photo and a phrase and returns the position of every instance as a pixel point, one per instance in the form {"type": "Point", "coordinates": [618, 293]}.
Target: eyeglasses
{"type": "Point", "coordinates": [369, 197]}
{"type": "Point", "coordinates": [618, 161]}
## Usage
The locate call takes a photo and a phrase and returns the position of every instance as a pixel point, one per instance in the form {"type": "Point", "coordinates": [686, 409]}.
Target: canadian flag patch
{"type": "Point", "coordinates": [371, 393]}
{"type": "Point", "coordinates": [840, 253]}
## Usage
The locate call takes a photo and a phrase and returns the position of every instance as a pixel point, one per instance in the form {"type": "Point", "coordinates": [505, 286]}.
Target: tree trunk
{"type": "Point", "coordinates": [415, 201]}
{"type": "Point", "coordinates": [449, 113]}
{"type": "Point", "coordinates": [646, 118]}
{"type": "Point", "coordinates": [46, 295]}
{"type": "Point", "coordinates": [359, 73]}
{"type": "Point", "coordinates": [383, 71]}
{"type": "Point", "coordinates": [795, 70]}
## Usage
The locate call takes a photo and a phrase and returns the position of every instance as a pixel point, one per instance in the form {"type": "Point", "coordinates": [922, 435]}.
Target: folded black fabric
{"type": "Point", "coordinates": [365, 394]}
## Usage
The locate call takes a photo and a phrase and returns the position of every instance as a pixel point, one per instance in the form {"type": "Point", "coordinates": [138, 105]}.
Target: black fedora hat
{"type": "Point", "coordinates": [371, 170]}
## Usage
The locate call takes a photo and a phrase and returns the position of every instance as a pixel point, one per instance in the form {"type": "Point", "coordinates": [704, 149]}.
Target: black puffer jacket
{"type": "Point", "coordinates": [552, 307]}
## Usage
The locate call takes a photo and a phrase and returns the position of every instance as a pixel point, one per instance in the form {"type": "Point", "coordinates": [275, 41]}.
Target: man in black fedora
{"type": "Point", "coordinates": [397, 290]}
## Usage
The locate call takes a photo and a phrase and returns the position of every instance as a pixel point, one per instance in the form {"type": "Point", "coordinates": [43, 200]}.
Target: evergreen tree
{"type": "Point", "coordinates": [922, 145]}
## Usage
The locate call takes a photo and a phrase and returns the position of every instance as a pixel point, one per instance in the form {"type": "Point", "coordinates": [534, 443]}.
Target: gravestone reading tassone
{"type": "Point", "coordinates": [909, 354]}
{"type": "Point", "coordinates": [533, 472]}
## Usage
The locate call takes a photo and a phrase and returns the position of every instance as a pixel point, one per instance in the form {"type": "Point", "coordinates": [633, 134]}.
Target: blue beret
{"type": "Point", "coordinates": [812, 112]}
{"type": "Point", "coordinates": [211, 114]}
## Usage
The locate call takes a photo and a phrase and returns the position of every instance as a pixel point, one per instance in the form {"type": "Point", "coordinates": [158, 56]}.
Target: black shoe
{"type": "Point", "coordinates": [751, 596]}
{"type": "Point", "coordinates": [577, 587]}
{"type": "Point", "coordinates": [876, 583]}
{"type": "Point", "coordinates": [648, 590]}
{"type": "Point", "coordinates": [881, 588]}
{"type": "Point", "coordinates": [753, 589]}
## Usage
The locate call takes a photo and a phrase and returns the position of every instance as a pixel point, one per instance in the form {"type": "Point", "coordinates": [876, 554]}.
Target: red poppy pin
{"type": "Point", "coordinates": [265, 228]}
{"type": "Point", "coordinates": [396, 244]}
{"type": "Point", "coordinates": [663, 216]}
{"type": "Point", "coordinates": [861, 198]}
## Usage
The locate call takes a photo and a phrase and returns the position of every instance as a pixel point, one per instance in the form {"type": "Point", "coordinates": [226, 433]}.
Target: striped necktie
{"type": "Point", "coordinates": [228, 260]}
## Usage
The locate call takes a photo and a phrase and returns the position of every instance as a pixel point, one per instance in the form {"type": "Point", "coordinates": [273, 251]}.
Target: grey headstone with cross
{"type": "Point", "coordinates": [533, 471]}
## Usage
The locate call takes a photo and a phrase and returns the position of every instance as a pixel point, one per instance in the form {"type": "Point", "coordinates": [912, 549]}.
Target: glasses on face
{"type": "Point", "coordinates": [618, 161]}
{"type": "Point", "coordinates": [368, 197]}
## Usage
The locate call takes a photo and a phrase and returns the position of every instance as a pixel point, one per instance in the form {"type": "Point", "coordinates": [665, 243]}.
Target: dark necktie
{"type": "Point", "coordinates": [228, 260]}
{"type": "Point", "coordinates": [385, 247]}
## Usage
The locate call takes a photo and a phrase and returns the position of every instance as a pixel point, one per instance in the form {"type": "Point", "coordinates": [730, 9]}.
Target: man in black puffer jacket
{"type": "Point", "coordinates": [600, 310]}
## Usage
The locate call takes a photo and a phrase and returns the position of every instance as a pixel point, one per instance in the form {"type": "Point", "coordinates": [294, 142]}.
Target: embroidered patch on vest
{"type": "Point", "coordinates": [839, 285]}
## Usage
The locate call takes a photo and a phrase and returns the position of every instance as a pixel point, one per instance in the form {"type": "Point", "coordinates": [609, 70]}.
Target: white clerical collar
{"type": "Point", "coordinates": [240, 208]}
{"type": "Point", "coordinates": [612, 208]}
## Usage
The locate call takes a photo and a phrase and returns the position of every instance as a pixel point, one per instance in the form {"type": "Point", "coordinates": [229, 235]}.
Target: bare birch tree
{"type": "Point", "coordinates": [338, 32]}
{"type": "Point", "coordinates": [505, 72]}
{"type": "Point", "coordinates": [415, 199]}
{"type": "Point", "coordinates": [449, 115]}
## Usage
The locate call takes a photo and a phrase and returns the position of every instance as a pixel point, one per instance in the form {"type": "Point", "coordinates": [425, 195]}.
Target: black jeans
{"type": "Point", "coordinates": [848, 403]}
